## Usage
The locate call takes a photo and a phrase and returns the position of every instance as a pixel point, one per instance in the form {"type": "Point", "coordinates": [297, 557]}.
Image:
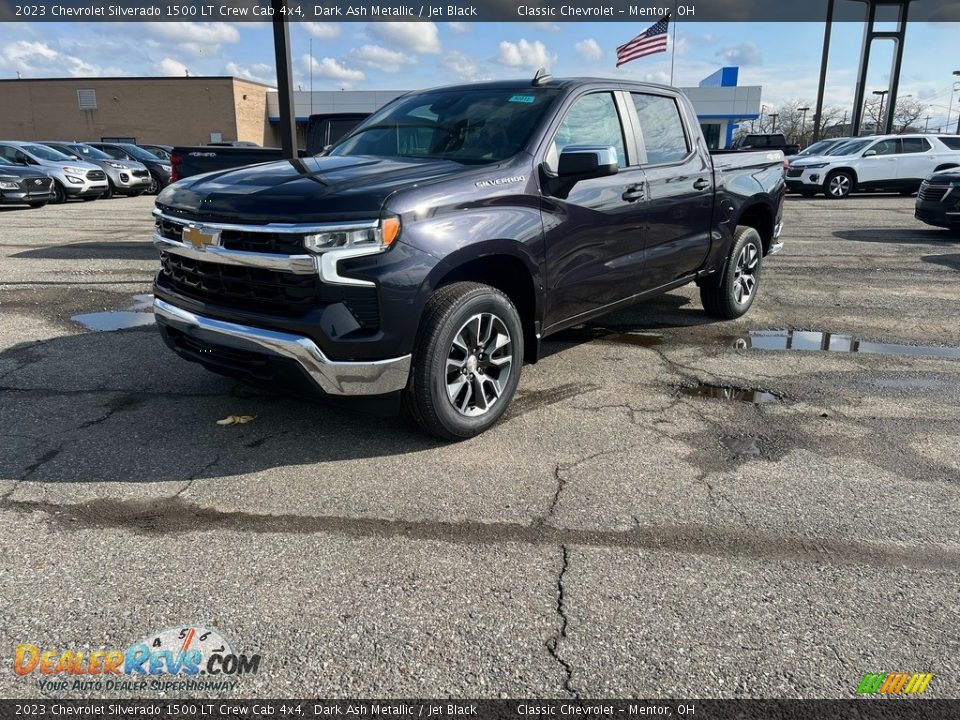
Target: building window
{"type": "Point", "coordinates": [87, 99]}
{"type": "Point", "coordinates": [711, 132]}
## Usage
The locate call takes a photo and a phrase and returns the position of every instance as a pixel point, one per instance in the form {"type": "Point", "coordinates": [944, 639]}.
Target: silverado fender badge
{"type": "Point", "coordinates": [501, 181]}
{"type": "Point", "coordinates": [200, 236]}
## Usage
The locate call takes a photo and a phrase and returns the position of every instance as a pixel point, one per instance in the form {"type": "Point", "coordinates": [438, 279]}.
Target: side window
{"type": "Point", "coordinates": [915, 145]}
{"type": "Point", "coordinates": [591, 120]}
{"type": "Point", "coordinates": [8, 152]}
{"type": "Point", "coordinates": [662, 128]}
{"type": "Point", "coordinates": [886, 147]}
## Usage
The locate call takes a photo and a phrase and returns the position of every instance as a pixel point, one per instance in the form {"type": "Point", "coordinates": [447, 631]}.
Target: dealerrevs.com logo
{"type": "Point", "coordinates": [189, 658]}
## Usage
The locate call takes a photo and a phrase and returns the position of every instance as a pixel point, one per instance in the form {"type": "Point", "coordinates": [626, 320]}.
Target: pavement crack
{"type": "Point", "coordinates": [553, 644]}
{"type": "Point", "coordinates": [196, 476]}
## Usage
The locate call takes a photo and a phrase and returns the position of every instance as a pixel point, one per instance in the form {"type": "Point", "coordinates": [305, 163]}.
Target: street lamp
{"type": "Point", "coordinates": [803, 122]}
{"type": "Point", "coordinates": [882, 94]}
{"type": "Point", "coordinates": [773, 117]}
{"type": "Point", "coordinates": [956, 74]}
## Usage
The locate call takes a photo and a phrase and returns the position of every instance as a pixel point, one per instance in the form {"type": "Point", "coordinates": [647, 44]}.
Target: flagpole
{"type": "Point", "coordinates": [673, 42]}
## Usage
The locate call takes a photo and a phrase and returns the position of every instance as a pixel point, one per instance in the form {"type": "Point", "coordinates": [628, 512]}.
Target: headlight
{"type": "Point", "coordinates": [118, 166]}
{"type": "Point", "coordinates": [166, 168]}
{"type": "Point", "coordinates": [381, 235]}
{"type": "Point", "coordinates": [9, 183]}
{"type": "Point", "coordinates": [813, 167]}
{"type": "Point", "coordinates": [74, 171]}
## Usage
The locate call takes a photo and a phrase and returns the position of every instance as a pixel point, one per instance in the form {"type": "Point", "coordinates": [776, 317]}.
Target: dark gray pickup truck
{"type": "Point", "coordinates": [425, 256]}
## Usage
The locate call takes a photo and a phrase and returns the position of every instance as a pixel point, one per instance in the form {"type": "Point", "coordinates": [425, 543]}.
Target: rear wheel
{"type": "Point", "coordinates": [730, 293]}
{"type": "Point", "coordinates": [466, 361]}
{"type": "Point", "coordinates": [839, 184]}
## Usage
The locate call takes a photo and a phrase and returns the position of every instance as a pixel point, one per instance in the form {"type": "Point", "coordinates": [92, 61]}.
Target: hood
{"type": "Point", "coordinates": [81, 164]}
{"type": "Point", "coordinates": [811, 160]}
{"type": "Point", "coordinates": [123, 164]}
{"type": "Point", "coordinates": [20, 171]}
{"type": "Point", "coordinates": [313, 189]}
{"type": "Point", "coordinates": [941, 177]}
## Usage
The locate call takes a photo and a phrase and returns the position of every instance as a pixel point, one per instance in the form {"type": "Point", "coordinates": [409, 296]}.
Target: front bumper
{"type": "Point", "coordinates": [19, 197]}
{"type": "Point", "coordinates": [937, 214]}
{"type": "Point", "coordinates": [85, 188]}
{"type": "Point", "coordinates": [372, 377]}
{"type": "Point", "coordinates": [126, 181]}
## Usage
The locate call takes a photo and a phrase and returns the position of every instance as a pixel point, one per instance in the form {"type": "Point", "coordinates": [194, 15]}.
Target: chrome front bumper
{"type": "Point", "coordinates": [376, 377]}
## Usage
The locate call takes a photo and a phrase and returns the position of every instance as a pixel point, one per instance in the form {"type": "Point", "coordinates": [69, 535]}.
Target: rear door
{"type": "Point", "coordinates": [917, 160]}
{"type": "Point", "coordinates": [678, 208]}
{"type": "Point", "coordinates": [592, 228]}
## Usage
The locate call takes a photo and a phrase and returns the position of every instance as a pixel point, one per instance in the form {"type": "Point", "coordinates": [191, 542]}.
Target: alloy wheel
{"type": "Point", "coordinates": [479, 364]}
{"type": "Point", "coordinates": [839, 186]}
{"type": "Point", "coordinates": [745, 273]}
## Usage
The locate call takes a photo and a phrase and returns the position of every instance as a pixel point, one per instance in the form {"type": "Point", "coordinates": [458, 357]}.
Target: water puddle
{"type": "Point", "coordinates": [802, 340]}
{"type": "Point", "coordinates": [137, 315]}
{"type": "Point", "coordinates": [588, 333]}
{"type": "Point", "coordinates": [731, 393]}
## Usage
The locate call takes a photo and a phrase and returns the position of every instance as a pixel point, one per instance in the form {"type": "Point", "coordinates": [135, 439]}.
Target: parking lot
{"type": "Point", "coordinates": [620, 533]}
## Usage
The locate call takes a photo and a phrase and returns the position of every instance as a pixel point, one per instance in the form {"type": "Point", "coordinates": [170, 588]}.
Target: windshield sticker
{"type": "Point", "coordinates": [522, 99]}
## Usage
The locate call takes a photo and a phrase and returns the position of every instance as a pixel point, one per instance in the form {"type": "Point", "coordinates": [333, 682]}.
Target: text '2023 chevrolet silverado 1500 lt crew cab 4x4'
{"type": "Point", "coordinates": [426, 255]}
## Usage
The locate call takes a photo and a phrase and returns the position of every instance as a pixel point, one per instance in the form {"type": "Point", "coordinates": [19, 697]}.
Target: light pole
{"type": "Point", "coordinates": [803, 121]}
{"type": "Point", "coordinates": [773, 118]}
{"type": "Point", "coordinates": [956, 73]}
{"type": "Point", "coordinates": [882, 94]}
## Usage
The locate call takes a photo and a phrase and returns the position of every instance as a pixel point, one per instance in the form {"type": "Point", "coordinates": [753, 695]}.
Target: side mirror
{"type": "Point", "coordinates": [582, 162]}
{"type": "Point", "coordinates": [870, 153]}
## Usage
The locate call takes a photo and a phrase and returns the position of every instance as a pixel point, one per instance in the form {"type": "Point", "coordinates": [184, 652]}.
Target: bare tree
{"type": "Point", "coordinates": [796, 125]}
{"type": "Point", "coordinates": [906, 112]}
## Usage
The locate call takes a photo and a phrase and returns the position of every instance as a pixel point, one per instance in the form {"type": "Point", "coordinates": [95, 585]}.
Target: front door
{"type": "Point", "coordinates": [880, 169]}
{"type": "Point", "coordinates": [592, 228]}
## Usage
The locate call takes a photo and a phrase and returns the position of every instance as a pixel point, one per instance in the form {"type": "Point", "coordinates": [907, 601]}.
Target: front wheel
{"type": "Point", "coordinates": [466, 361]}
{"type": "Point", "coordinates": [59, 194]}
{"type": "Point", "coordinates": [730, 293]}
{"type": "Point", "coordinates": [155, 187]}
{"type": "Point", "coordinates": [839, 185]}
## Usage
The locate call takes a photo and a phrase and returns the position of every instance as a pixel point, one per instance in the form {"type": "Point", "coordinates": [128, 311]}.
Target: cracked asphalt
{"type": "Point", "coordinates": [613, 536]}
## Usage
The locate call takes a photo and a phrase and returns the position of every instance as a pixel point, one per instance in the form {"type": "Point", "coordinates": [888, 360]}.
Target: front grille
{"type": "Point", "coordinates": [251, 363]}
{"type": "Point", "coordinates": [96, 175]}
{"type": "Point", "coordinates": [795, 172]}
{"type": "Point", "coordinates": [141, 173]}
{"type": "Point", "coordinates": [37, 185]}
{"type": "Point", "coordinates": [931, 193]}
{"type": "Point", "coordinates": [254, 289]}
{"type": "Point", "coordinates": [261, 242]}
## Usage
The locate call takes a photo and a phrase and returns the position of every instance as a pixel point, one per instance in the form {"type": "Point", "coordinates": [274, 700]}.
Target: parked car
{"type": "Point", "coordinates": [766, 141]}
{"type": "Point", "coordinates": [427, 255]}
{"type": "Point", "coordinates": [195, 160]}
{"type": "Point", "coordinates": [71, 178]}
{"type": "Point", "coordinates": [124, 177]}
{"type": "Point", "coordinates": [161, 151]}
{"type": "Point", "coordinates": [821, 147]}
{"type": "Point", "coordinates": [326, 129]}
{"type": "Point", "coordinates": [897, 163]}
{"type": "Point", "coordinates": [159, 169]}
{"type": "Point", "coordinates": [938, 200]}
{"type": "Point", "coordinates": [24, 185]}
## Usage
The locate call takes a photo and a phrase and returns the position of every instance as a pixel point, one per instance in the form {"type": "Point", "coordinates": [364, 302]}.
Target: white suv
{"type": "Point", "coordinates": [897, 163]}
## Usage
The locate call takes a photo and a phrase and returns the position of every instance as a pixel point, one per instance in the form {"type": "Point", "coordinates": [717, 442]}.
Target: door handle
{"type": "Point", "coordinates": [701, 184]}
{"type": "Point", "coordinates": [633, 193]}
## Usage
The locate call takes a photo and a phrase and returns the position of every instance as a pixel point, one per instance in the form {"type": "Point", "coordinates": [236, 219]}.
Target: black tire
{"type": "Point", "coordinates": [448, 313]}
{"type": "Point", "coordinates": [719, 292]}
{"type": "Point", "coordinates": [35, 205]}
{"type": "Point", "coordinates": [59, 194]}
{"type": "Point", "coordinates": [839, 185]}
{"type": "Point", "coordinates": [155, 186]}
{"type": "Point", "coordinates": [111, 190]}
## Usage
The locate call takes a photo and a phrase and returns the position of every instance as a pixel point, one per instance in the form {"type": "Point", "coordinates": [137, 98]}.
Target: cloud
{"type": "Point", "coordinates": [39, 59]}
{"type": "Point", "coordinates": [524, 54]}
{"type": "Point", "coordinates": [462, 65]}
{"type": "Point", "coordinates": [258, 72]}
{"type": "Point", "coordinates": [325, 31]}
{"type": "Point", "coordinates": [209, 34]}
{"type": "Point", "coordinates": [589, 48]}
{"type": "Point", "coordinates": [415, 37]}
{"type": "Point", "coordinates": [380, 58]}
{"type": "Point", "coordinates": [744, 54]}
{"type": "Point", "coordinates": [331, 69]}
{"type": "Point", "coordinates": [460, 27]}
{"type": "Point", "coordinates": [169, 66]}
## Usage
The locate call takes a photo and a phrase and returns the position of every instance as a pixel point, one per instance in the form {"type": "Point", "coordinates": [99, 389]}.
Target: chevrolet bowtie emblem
{"type": "Point", "coordinates": [200, 236]}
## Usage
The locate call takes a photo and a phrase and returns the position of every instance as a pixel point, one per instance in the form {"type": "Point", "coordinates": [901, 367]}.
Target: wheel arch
{"type": "Point", "coordinates": [759, 216]}
{"type": "Point", "coordinates": [946, 166]}
{"type": "Point", "coordinates": [506, 268]}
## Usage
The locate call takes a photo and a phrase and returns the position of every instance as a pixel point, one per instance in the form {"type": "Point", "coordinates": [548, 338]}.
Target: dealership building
{"type": "Point", "coordinates": [199, 110]}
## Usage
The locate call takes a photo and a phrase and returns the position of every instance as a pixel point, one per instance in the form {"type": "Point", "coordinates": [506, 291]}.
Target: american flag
{"type": "Point", "coordinates": [652, 40]}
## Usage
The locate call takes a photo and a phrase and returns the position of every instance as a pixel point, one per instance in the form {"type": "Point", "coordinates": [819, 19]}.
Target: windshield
{"type": "Point", "coordinates": [138, 152]}
{"type": "Point", "coordinates": [467, 126]}
{"type": "Point", "coordinates": [159, 152]}
{"type": "Point", "coordinates": [818, 147]}
{"type": "Point", "coordinates": [45, 153]}
{"type": "Point", "coordinates": [87, 152]}
{"type": "Point", "coordinates": [849, 148]}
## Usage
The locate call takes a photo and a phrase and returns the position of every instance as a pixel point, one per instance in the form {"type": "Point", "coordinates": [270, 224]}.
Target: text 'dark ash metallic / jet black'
{"type": "Point", "coordinates": [423, 257]}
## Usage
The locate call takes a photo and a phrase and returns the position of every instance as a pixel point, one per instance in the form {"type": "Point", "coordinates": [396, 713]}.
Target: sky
{"type": "Point", "coordinates": [783, 58]}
